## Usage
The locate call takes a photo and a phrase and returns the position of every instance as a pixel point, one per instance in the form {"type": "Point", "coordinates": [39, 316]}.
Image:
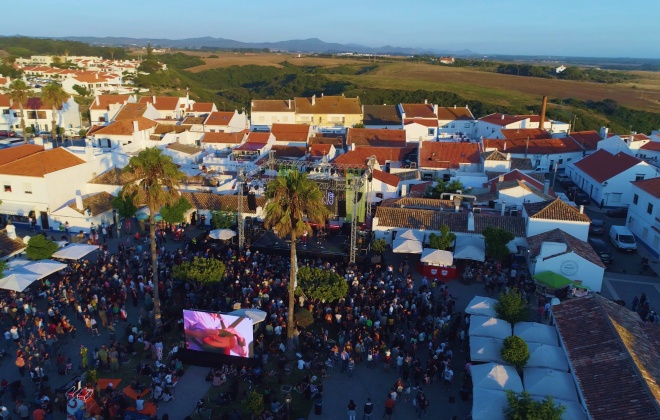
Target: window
{"type": "Point", "coordinates": [635, 198]}
{"type": "Point", "coordinates": [431, 131]}
{"type": "Point", "coordinates": [27, 188]}
{"type": "Point", "coordinates": [568, 159]}
{"type": "Point", "coordinates": [467, 125]}
{"type": "Point", "coordinates": [645, 233]}
{"type": "Point", "coordinates": [649, 208]}
{"type": "Point", "coordinates": [5, 111]}
{"type": "Point", "coordinates": [7, 188]}
{"type": "Point", "coordinates": [615, 198]}
{"type": "Point", "coordinates": [639, 177]}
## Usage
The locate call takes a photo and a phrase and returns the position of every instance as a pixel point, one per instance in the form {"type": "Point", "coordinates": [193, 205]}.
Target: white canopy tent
{"type": "Point", "coordinates": [486, 349]}
{"type": "Point", "coordinates": [43, 268]}
{"type": "Point", "coordinates": [414, 235]}
{"type": "Point", "coordinates": [17, 280]}
{"type": "Point", "coordinates": [485, 326]}
{"type": "Point", "coordinates": [223, 234]}
{"type": "Point", "coordinates": [74, 251]}
{"type": "Point", "coordinates": [497, 377]}
{"type": "Point", "coordinates": [470, 248]}
{"type": "Point", "coordinates": [533, 332]}
{"type": "Point", "coordinates": [480, 305]}
{"type": "Point", "coordinates": [407, 246]}
{"type": "Point", "coordinates": [437, 257]}
{"type": "Point", "coordinates": [547, 356]}
{"type": "Point", "coordinates": [256, 315]}
{"type": "Point", "coordinates": [544, 382]}
{"type": "Point", "coordinates": [488, 404]}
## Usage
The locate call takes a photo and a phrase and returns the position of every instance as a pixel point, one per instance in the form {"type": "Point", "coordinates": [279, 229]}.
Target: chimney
{"type": "Point", "coordinates": [500, 178]}
{"type": "Point", "coordinates": [97, 76]}
{"type": "Point", "coordinates": [508, 157]}
{"type": "Point", "coordinates": [581, 208]}
{"type": "Point", "coordinates": [454, 106]}
{"type": "Point", "coordinates": [426, 101]}
{"type": "Point", "coordinates": [435, 109]}
{"type": "Point", "coordinates": [457, 204]}
{"type": "Point", "coordinates": [546, 187]}
{"type": "Point", "coordinates": [98, 101]}
{"type": "Point", "coordinates": [504, 145]}
{"type": "Point", "coordinates": [313, 100]}
{"type": "Point", "coordinates": [153, 99]}
{"type": "Point", "coordinates": [503, 209]}
{"type": "Point", "coordinates": [470, 222]}
{"type": "Point", "coordinates": [79, 201]}
{"type": "Point", "coordinates": [11, 231]}
{"type": "Point", "coordinates": [48, 145]}
{"type": "Point", "coordinates": [502, 117]}
{"type": "Point", "coordinates": [136, 127]}
{"type": "Point", "coordinates": [289, 103]}
{"type": "Point", "coordinates": [604, 131]}
{"type": "Point", "coordinates": [543, 108]}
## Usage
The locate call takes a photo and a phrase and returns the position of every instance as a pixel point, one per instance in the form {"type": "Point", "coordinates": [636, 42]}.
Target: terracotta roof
{"type": "Point", "coordinates": [494, 155]}
{"type": "Point", "coordinates": [614, 357]}
{"type": "Point", "coordinates": [555, 209]}
{"type": "Point", "coordinates": [258, 137]}
{"type": "Point", "coordinates": [328, 105]}
{"type": "Point", "coordinates": [131, 110]}
{"type": "Point", "coordinates": [104, 101]}
{"type": "Point", "coordinates": [419, 203]}
{"type": "Point", "coordinates": [113, 176]}
{"type": "Point", "coordinates": [534, 147]}
{"type": "Point", "coordinates": [523, 164]}
{"type": "Point", "coordinates": [193, 120]}
{"type": "Point", "coordinates": [651, 186]}
{"type": "Point", "coordinates": [375, 137]}
{"type": "Point", "coordinates": [419, 111]}
{"type": "Point", "coordinates": [457, 222]}
{"type": "Point", "coordinates": [386, 178]}
{"type": "Point", "coordinates": [202, 107]}
{"type": "Point", "coordinates": [452, 114]}
{"type": "Point", "coordinates": [360, 155]}
{"type": "Point", "coordinates": [602, 165]}
{"type": "Point", "coordinates": [226, 138]}
{"type": "Point", "coordinates": [219, 118]}
{"type": "Point", "coordinates": [421, 121]}
{"type": "Point", "coordinates": [9, 246]}
{"type": "Point", "coordinates": [587, 139]}
{"type": "Point", "coordinates": [289, 151]}
{"type": "Point", "coordinates": [652, 145]}
{"type": "Point", "coordinates": [381, 115]}
{"type": "Point", "coordinates": [448, 154]}
{"type": "Point", "coordinates": [90, 77]}
{"type": "Point", "coordinates": [502, 119]}
{"type": "Point", "coordinates": [170, 128]}
{"type": "Point", "coordinates": [34, 104]}
{"type": "Point", "coordinates": [5, 102]}
{"type": "Point", "coordinates": [291, 132]}
{"type": "Point", "coordinates": [325, 138]}
{"type": "Point", "coordinates": [573, 244]}
{"type": "Point", "coordinates": [252, 146]}
{"type": "Point", "coordinates": [18, 152]}
{"type": "Point", "coordinates": [516, 175]}
{"type": "Point", "coordinates": [271, 105]}
{"type": "Point", "coordinates": [184, 148]}
{"type": "Point", "coordinates": [419, 190]}
{"type": "Point", "coordinates": [162, 103]}
{"type": "Point", "coordinates": [125, 127]}
{"type": "Point", "coordinates": [319, 150]}
{"type": "Point", "coordinates": [215, 202]}
{"type": "Point", "coordinates": [98, 203]}
{"type": "Point", "coordinates": [525, 133]}
{"type": "Point", "coordinates": [42, 163]}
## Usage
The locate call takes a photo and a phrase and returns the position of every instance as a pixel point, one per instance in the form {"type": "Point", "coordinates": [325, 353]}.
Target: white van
{"type": "Point", "coordinates": [623, 239]}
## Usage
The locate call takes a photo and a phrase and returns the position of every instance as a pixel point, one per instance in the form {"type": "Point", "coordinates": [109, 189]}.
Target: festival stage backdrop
{"type": "Point", "coordinates": [218, 333]}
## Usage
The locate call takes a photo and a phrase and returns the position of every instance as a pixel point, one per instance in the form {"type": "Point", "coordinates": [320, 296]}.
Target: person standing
{"type": "Point", "coordinates": [389, 407]}
{"type": "Point", "coordinates": [447, 376]}
{"type": "Point", "coordinates": [351, 410]}
{"type": "Point", "coordinates": [368, 409]}
{"type": "Point", "coordinates": [351, 367]}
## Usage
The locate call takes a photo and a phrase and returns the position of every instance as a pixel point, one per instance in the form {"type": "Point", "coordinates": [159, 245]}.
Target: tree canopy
{"type": "Point", "coordinates": [444, 240]}
{"type": "Point", "coordinates": [53, 96]}
{"type": "Point", "coordinates": [223, 219]}
{"type": "Point", "coordinates": [124, 205]}
{"type": "Point", "coordinates": [173, 213]}
{"type": "Point", "coordinates": [320, 284]}
{"type": "Point", "coordinates": [496, 242]}
{"type": "Point", "coordinates": [512, 307]}
{"type": "Point", "coordinates": [523, 407]}
{"type": "Point", "coordinates": [442, 187]}
{"type": "Point", "coordinates": [20, 92]}
{"type": "Point", "coordinates": [200, 271]}
{"type": "Point", "coordinates": [40, 248]}
{"type": "Point", "coordinates": [515, 351]}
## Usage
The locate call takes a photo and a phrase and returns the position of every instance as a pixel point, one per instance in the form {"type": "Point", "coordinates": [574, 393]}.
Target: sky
{"type": "Point", "coordinates": [592, 28]}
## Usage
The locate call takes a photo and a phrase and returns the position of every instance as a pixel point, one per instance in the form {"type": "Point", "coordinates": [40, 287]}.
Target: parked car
{"type": "Point", "coordinates": [622, 238]}
{"type": "Point", "coordinates": [562, 177]}
{"type": "Point", "coordinates": [619, 212]}
{"type": "Point", "coordinates": [566, 183]}
{"type": "Point", "coordinates": [597, 227]}
{"type": "Point", "coordinates": [602, 249]}
{"type": "Point", "coordinates": [7, 133]}
{"type": "Point", "coordinates": [582, 198]}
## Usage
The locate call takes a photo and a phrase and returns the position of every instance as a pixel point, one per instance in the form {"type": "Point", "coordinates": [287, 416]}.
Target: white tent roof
{"type": "Point", "coordinates": [256, 315]}
{"type": "Point", "coordinates": [17, 280]}
{"type": "Point", "coordinates": [222, 234]}
{"type": "Point", "coordinates": [547, 356]}
{"type": "Point", "coordinates": [44, 268]}
{"type": "Point", "coordinates": [407, 246]}
{"type": "Point", "coordinates": [486, 349]}
{"type": "Point", "coordinates": [533, 332]}
{"type": "Point", "coordinates": [415, 235]}
{"type": "Point", "coordinates": [480, 305]}
{"type": "Point", "coordinates": [75, 251]}
{"type": "Point", "coordinates": [470, 248]}
{"type": "Point", "coordinates": [488, 404]}
{"type": "Point", "coordinates": [574, 410]}
{"type": "Point", "coordinates": [437, 257]}
{"type": "Point", "coordinates": [485, 326]}
{"type": "Point", "coordinates": [544, 382]}
{"type": "Point", "coordinates": [497, 377]}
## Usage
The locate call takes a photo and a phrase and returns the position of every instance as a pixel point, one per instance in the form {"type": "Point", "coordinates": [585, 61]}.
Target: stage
{"type": "Point", "coordinates": [333, 245]}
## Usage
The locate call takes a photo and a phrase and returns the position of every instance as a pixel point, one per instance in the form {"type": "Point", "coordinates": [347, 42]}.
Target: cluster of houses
{"type": "Point", "coordinates": [507, 165]}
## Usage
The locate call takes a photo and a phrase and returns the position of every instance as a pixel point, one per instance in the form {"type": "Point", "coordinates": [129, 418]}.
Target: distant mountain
{"type": "Point", "coordinates": [295, 45]}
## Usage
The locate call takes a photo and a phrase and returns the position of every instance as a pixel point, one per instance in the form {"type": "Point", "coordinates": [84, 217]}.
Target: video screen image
{"type": "Point", "coordinates": [218, 333]}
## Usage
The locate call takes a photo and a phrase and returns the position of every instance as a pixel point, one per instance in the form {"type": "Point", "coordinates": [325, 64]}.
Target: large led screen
{"type": "Point", "coordinates": [218, 333]}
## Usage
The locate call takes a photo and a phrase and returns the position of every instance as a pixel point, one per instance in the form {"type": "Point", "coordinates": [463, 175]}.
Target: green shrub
{"type": "Point", "coordinates": [304, 318]}
{"type": "Point", "coordinates": [515, 351]}
{"type": "Point", "coordinates": [512, 307]}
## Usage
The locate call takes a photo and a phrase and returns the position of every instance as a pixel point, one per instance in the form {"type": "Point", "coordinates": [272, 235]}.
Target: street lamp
{"type": "Point", "coordinates": [287, 400]}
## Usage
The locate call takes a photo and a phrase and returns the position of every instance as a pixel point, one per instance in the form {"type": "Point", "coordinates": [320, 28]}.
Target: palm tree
{"type": "Point", "coordinates": [292, 198]}
{"type": "Point", "coordinates": [20, 92]}
{"type": "Point", "coordinates": [53, 96]}
{"type": "Point", "coordinates": [155, 182]}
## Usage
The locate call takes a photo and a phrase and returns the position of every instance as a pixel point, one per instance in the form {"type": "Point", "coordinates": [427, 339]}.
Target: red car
{"type": "Point", "coordinates": [7, 133]}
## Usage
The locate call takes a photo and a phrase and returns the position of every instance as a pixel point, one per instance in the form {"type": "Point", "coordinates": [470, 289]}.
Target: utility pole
{"type": "Point", "coordinates": [240, 184]}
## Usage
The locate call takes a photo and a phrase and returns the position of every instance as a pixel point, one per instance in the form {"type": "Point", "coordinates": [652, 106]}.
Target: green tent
{"type": "Point", "coordinates": [553, 280]}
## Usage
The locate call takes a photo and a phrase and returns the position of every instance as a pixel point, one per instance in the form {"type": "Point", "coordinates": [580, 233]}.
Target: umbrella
{"type": "Point", "coordinates": [158, 217]}
{"type": "Point", "coordinates": [142, 216]}
{"type": "Point", "coordinates": [497, 377]}
{"type": "Point", "coordinates": [480, 305]}
{"type": "Point", "coordinates": [18, 280]}
{"type": "Point", "coordinates": [223, 234]}
{"type": "Point", "coordinates": [407, 246]}
{"type": "Point", "coordinates": [75, 251]}
{"type": "Point", "coordinates": [411, 234]}
{"type": "Point", "coordinates": [44, 267]}
{"type": "Point", "coordinates": [437, 257]}
{"type": "Point", "coordinates": [554, 280]}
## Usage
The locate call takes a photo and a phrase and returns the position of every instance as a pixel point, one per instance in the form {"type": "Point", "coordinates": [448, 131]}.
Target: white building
{"type": "Point", "coordinates": [95, 82]}
{"type": "Point", "coordinates": [38, 116]}
{"type": "Point", "coordinates": [266, 112]}
{"type": "Point", "coordinates": [226, 122]}
{"type": "Point", "coordinates": [554, 214]}
{"type": "Point", "coordinates": [130, 134]}
{"type": "Point", "coordinates": [456, 121]}
{"type": "Point", "coordinates": [384, 117]}
{"type": "Point", "coordinates": [168, 107]}
{"type": "Point", "coordinates": [544, 154]}
{"type": "Point", "coordinates": [515, 188]}
{"type": "Point", "coordinates": [644, 214]}
{"type": "Point", "coordinates": [104, 108]}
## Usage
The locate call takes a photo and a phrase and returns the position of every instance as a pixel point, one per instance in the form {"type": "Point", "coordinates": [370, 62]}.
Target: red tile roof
{"type": "Point", "coordinates": [602, 165]}
{"type": "Point", "coordinates": [227, 138]}
{"type": "Point", "coordinates": [375, 137]}
{"type": "Point", "coordinates": [386, 178]}
{"type": "Point", "coordinates": [289, 151]}
{"type": "Point", "coordinates": [361, 155]}
{"type": "Point", "coordinates": [452, 114]}
{"type": "Point", "coordinates": [131, 110]}
{"type": "Point", "coordinates": [272, 105]}
{"type": "Point", "coordinates": [18, 152]}
{"type": "Point", "coordinates": [202, 107]}
{"type": "Point", "coordinates": [502, 119]}
{"type": "Point", "coordinates": [33, 104]}
{"type": "Point", "coordinates": [448, 154]}
{"type": "Point", "coordinates": [5, 102]}
{"type": "Point", "coordinates": [534, 147]}
{"type": "Point", "coordinates": [573, 244]}
{"type": "Point", "coordinates": [421, 121]}
{"type": "Point", "coordinates": [41, 163]}
{"type": "Point", "coordinates": [556, 209]}
{"type": "Point", "coordinates": [587, 139]}
{"type": "Point", "coordinates": [251, 147]}
{"type": "Point", "coordinates": [652, 145]}
{"type": "Point", "coordinates": [219, 118]}
{"type": "Point", "coordinates": [516, 175]}
{"type": "Point", "coordinates": [258, 137]}
{"type": "Point", "coordinates": [291, 132]}
{"type": "Point", "coordinates": [162, 103]}
{"type": "Point", "coordinates": [184, 148]}
{"type": "Point", "coordinates": [525, 133]}
{"type": "Point", "coordinates": [381, 115]}
{"type": "Point", "coordinates": [104, 101]}
{"type": "Point", "coordinates": [651, 186]}
{"type": "Point", "coordinates": [419, 203]}
{"type": "Point", "coordinates": [613, 356]}
{"type": "Point", "coordinates": [125, 127]}
{"type": "Point", "coordinates": [319, 150]}
{"type": "Point", "coordinates": [209, 201]}
{"type": "Point", "coordinates": [328, 105]}
{"type": "Point", "coordinates": [419, 111]}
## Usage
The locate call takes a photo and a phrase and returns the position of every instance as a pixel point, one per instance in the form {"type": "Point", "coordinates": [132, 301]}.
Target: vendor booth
{"type": "Point", "coordinates": [438, 264]}
{"type": "Point", "coordinates": [470, 248]}
{"type": "Point", "coordinates": [481, 305]}
{"type": "Point", "coordinates": [407, 246]}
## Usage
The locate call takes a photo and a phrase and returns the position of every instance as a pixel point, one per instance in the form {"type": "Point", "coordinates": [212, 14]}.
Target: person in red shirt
{"type": "Point", "coordinates": [389, 407]}
{"type": "Point", "coordinates": [39, 414]}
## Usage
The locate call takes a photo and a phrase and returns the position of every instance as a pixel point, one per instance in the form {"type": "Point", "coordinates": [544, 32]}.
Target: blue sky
{"type": "Point", "coordinates": [561, 27]}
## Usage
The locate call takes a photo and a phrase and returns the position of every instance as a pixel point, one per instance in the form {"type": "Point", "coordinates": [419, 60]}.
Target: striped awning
{"type": "Point", "coordinates": [16, 209]}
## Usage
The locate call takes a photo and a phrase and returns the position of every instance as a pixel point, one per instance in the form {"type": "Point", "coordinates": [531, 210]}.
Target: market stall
{"type": "Point", "coordinates": [470, 248]}
{"type": "Point", "coordinates": [407, 246]}
{"type": "Point", "coordinates": [438, 264]}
